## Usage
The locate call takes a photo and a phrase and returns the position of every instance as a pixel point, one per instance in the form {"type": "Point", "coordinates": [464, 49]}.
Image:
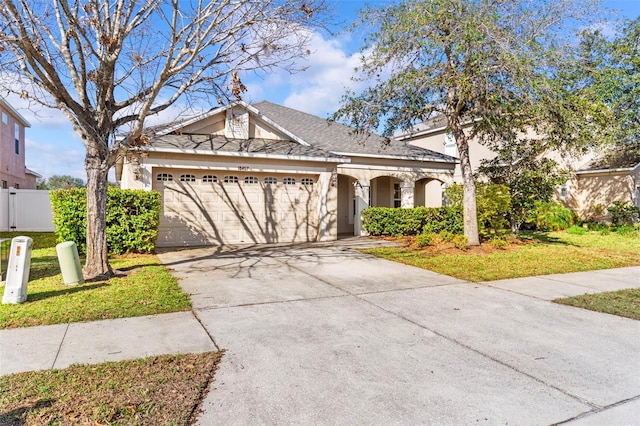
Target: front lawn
{"type": "Point", "coordinates": [143, 287]}
{"type": "Point", "coordinates": [161, 390]}
{"type": "Point", "coordinates": [535, 254]}
{"type": "Point", "coordinates": [624, 303]}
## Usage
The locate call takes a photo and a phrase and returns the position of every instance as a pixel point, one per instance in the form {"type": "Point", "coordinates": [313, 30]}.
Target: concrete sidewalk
{"type": "Point", "coordinates": [324, 334]}
{"type": "Point", "coordinates": [59, 346]}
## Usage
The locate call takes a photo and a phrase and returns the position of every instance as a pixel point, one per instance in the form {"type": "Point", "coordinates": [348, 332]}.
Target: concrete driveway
{"type": "Point", "coordinates": [322, 334]}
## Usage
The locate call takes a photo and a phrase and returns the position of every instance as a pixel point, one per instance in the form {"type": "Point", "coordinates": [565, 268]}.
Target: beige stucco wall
{"type": "Point", "coordinates": [436, 142]}
{"type": "Point", "coordinates": [592, 193]}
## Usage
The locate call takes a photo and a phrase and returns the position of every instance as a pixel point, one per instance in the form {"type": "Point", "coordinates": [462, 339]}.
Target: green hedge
{"type": "Point", "coordinates": [402, 221]}
{"type": "Point", "coordinates": [132, 219]}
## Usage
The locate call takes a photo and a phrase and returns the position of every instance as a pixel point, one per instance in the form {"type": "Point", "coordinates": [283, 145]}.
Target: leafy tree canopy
{"type": "Point", "coordinates": [498, 70]}
{"type": "Point", "coordinates": [61, 182]}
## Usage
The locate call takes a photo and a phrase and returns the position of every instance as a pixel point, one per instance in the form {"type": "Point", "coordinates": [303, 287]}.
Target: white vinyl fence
{"type": "Point", "coordinates": [25, 210]}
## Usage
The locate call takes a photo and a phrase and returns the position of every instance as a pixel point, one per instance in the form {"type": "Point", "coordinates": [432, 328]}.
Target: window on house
{"type": "Point", "coordinates": [231, 179]}
{"type": "Point", "coordinates": [270, 180]}
{"type": "Point", "coordinates": [5, 118]}
{"type": "Point", "coordinates": [289, 181]}
{"type": "Point", "coordinates": [187, 178]}
{"type": "Point", "coordinates": [564, 191]}
{"type": "Point", "coordinates": [17, 139]}
{"type": "Point", "coordinates": [209, 179]}
{"type": "Point", "coordinates": [17, 186]}
{"type": "Point", "coordinates": [307, 181]}
{"type": "Point", "coordinates": [5, 184]}
{"type": "Point", "coordinates": [164, 177]}
{"type": "Point", "coordinates": [397, 195]}
{"type": "Point", "coordinates": [251, 180]}
{"type": "Point", "coordinates": [450, 145]}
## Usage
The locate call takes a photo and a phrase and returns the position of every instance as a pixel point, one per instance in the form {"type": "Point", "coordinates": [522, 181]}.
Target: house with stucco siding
{"type": "Point", "coordinates": [596, 180]}
{"type": "Point", "coordinates": [265, 173]}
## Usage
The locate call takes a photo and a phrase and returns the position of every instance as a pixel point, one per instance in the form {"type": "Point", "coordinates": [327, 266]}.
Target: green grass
{"type": "Point", "coordinates": [162, 390]}
{"type": "Point", "coordinates": [624, 303]}
{"type": "Point", "coordinates": [545, 253]}
{"type": "Point", "coordinates": [143, 287]}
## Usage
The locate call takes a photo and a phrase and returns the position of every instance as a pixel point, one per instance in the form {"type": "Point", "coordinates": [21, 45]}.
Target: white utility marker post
{"type": "Point", "coordinates": [15, 288]}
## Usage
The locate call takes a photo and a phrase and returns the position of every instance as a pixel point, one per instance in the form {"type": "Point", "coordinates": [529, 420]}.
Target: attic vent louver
{"type": "Point", "coordinates": [237, 124]}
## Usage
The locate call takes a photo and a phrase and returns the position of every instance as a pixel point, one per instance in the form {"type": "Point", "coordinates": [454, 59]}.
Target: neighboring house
{"type": "Point", "coordinates": [602, 181]}
{"type": "Point", "coordinates": [265, 173]}
{"type": "Point", "coordinates": [13, 173]}
{"type": "Point", "coordinates": [595, 183]}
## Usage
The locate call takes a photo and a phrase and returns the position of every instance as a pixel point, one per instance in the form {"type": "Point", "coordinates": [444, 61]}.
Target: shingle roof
{"type": "Point", "coordinates": [326, 139]}
{"type": "Point", "coordinates": [612, 160]}
{"type": "Point", "coordinates": [222, 144]}
{"type": "Point", "coordinates": [338, 138]}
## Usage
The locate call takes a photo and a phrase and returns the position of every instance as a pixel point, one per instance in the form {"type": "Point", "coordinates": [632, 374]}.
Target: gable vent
{"type": "Point", "coordinates": [237, 124]}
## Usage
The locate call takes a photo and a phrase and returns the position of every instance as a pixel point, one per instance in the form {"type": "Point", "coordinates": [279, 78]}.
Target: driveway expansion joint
{"type": "Point", "coordinates": [600, 410]}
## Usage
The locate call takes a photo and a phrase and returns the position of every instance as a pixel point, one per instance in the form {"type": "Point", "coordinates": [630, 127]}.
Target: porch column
{"type": "Point", "coordinates": [362, 202]}
{"type": "Point", "coordinates": [327, 206]}
{"type": "Point", "coordinates": [406, 193]}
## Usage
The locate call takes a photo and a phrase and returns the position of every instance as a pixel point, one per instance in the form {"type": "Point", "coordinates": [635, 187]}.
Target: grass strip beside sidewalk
{"type": "Point", "coordinates": [161, 390]}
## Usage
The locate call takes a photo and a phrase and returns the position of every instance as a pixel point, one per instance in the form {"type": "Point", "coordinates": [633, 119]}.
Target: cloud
{"type": "Point", "coordinates": [55, 153]}
{"type": "Point", "coordinates": [317, 90]}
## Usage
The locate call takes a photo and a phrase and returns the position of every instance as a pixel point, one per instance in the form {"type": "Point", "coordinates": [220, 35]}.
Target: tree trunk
{"type": "Point", "coordinates": [468, 190]}
{"type": "Point", "coordinates": [97, 262]}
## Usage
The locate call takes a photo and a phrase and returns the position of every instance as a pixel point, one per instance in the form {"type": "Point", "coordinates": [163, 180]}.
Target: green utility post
{"type": "Point", "coordinates": [69, 263]}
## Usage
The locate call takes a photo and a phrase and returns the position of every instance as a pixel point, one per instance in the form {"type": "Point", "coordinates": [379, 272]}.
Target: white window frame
{"type": "Point", "coordinates": [164, 177]}
{"type": "Point", "coordinates": [289, 181]}
{"type": "Point", "coordinates": [397, 195]}
{"type": "Point", "coordinates": [209, 179]}
{"type": "Point", "coordinates": [270, 180]}
{"type": "Point", "coordinates": [231, 179]}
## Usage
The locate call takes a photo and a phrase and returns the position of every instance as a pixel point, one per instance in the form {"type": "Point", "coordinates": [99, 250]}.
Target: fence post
{"type": "Point", "coordinates": [13, 208]}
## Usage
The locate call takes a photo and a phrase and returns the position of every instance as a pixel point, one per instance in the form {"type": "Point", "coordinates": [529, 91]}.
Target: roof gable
{"type": "Point", "coordinates": [234, 121]}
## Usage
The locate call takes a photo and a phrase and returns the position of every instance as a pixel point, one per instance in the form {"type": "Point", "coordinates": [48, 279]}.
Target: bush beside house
{"type": "Point", "coordinates": [132, 219]}
{"type": "Point", "coordinates": [411, 221]}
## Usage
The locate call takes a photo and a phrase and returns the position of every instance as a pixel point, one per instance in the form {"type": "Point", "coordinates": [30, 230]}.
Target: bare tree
{"type": "Point", "coordinates": [109, 64]}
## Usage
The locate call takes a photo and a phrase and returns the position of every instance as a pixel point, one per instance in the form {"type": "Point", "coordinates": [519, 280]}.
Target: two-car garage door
{"type": "Point", "coordinates": [216, 208]}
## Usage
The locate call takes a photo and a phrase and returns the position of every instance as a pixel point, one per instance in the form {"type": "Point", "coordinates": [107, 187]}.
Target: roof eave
{"type": "Point", "coordinates": [604, 171]}
{"type": "Point", "coordinates": [398, 157]}
{"type": "Point", "coordinates": [248, 155]}
{"type": "Point", "coordinates": [15, 113]}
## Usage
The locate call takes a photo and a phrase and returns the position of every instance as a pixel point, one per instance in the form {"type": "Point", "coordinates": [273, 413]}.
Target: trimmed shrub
{"type": "Point", "coordinates": [446, 236]}
{"type": "Point", "coordinates": [412, 221]}
{"type": "Point", "coordinates": [132, 219]}
{"type": "Point", "coordinates": [493, 206]}
{"type": "Point", "coordinates": [460, 241]}
{"type": "Point", "coordinates": [70, 216]}
{"type": "Point", "coordinates": [424, 240]}
{"type": "Point", "coordinates": [443, 219]}
{"type": "Point", "coordinates": [498, 243]}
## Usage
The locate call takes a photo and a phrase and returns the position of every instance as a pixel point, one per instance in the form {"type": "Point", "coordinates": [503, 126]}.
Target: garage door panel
{"type": "Point", "coordinates": [196, 213]}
